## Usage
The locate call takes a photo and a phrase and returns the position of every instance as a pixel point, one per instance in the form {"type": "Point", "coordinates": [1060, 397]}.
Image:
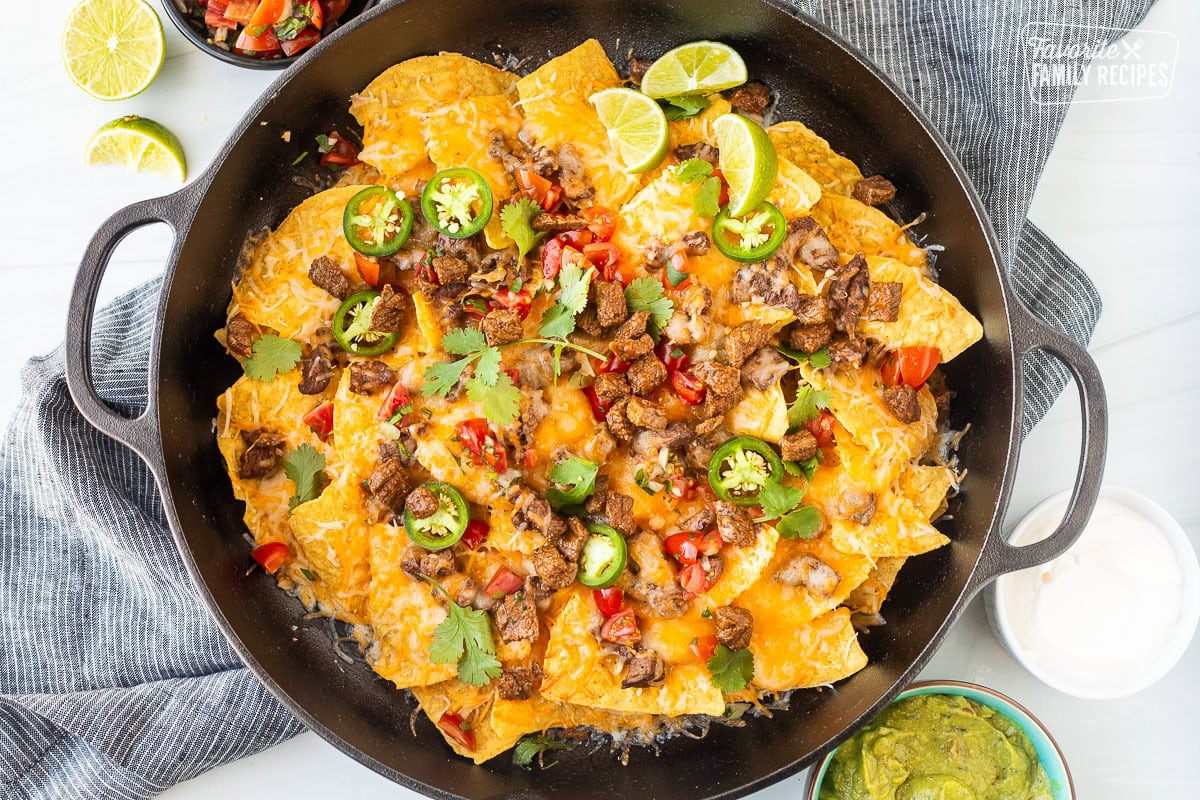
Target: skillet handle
{"type": "Point", "coordinates": [140, 433]}
{"type": "Point", "coordinates": [1031, 335]}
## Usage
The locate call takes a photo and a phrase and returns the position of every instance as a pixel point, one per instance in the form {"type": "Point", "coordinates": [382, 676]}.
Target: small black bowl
{"type": "Point", "coordinates": [196, 32]}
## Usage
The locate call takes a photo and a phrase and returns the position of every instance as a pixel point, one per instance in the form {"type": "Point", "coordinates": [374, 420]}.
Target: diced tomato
{"type": "Point", "coordinates": [477, 437]}
{"type": "Point", "coordinates": [333, 9]}
{"type": "Point", "coordinates": [601, 222]}
{"type": "Point", "coordinates": [532, 185]}
{"type": "Point", "coordinates": [621, 628]}
{"type": "Point", "coordinates": [397, 398]}
{"type": "Point", "coordinates": [671, 356]}
{"type": "Point", "coordinates": [267, 43]}
{"type": "Point", "coordinates": [686, 547]}
{"type": "Point", "coordinates": [552, 258]}
{"type": "Point", "coordinates": [241, 10]}
{"type": "Point", "coordinates": [520, 301]}
{"type": "Point", "coordinates": [457, 729]}
{"type": "Point", "coordinates": [698, 578]}
{"type": "Point", "coordinates": [599, 407]}
{"type": "Point", "coordinates": [271, 555]}
{"type": "Point", "coordinates": [476, 306]}
{"type": "Point", "coordinates": [316, 14]}
{"type": "Point", "coordinates": [368, 268]}
{"type": "Point", "coordinates": [476, 533]}
{"type": "Point", "coordinates": [609, 601]}
{"type": "Point", "coordinates": [342, 154]}
{"type": "Point", "coordinates": [320, 419]}
{"type": "Point", "coordinates": [613, 364]}
{"type": "Point", "coordinates": [215, 15]}
{"type": "Point", "coordinates": [724, 198]}
{"type": "Point", "coordinates": [704, 647]}
{"type": "Point", "coordinates": [682, 487]}
{"type": "Point", "coordinates": [504, 581]}
{"type": "Point", "coordinates": [304, 39]}
{"type": "Point", "coordinates": [678, 261]}
{"type": "Point", "coordinates": [604, 256]}
{"type": "Point", "coordinates": [573, 258]}
{"type": "Point", "coordinates": [552, 198]}
{"type": "Point", "coordinates": [269, 12]}
{"type": "Point", "coordinates": [531, 457]}
{"type": "Point", "coordinates": [821, 427]}
{"type": "Point", "coordinates": [576, 239]}
{"type": "Point", "coordinates": [910, 365]}
{"type": "Point", "coordinates": [690, 389]}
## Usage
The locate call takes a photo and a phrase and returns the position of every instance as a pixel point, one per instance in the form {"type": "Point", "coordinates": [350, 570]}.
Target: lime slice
{"type": "Point", "coordinates": [747, 160]}
{"type": "Point", "coordinates": [138, 144]}
{"type": "Point", "coordinates": [112, 48]}
{"type": "Point", "coordinates": [694, 68]}
{"type": "Point", "coordinates": [636, 127]}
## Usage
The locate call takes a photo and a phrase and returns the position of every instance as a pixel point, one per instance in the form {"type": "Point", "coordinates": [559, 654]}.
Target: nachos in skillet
{"type": "Point", "coordinates": [571, 446]}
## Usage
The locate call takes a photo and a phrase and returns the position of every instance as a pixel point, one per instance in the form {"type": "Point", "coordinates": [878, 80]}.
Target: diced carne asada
{"type": "Point", "coordinates": [743, 340]}
{"type": "Point", "coordinates": [875, 190]}
{"type": "Point", "coordinates": [547, 221]}
{"type": "Point", "coordinates": [700, 150]}
{"type": "Point", "coordinates": [668, 601]}
{"type": "Point", "coordinates": [715, 405]}
{"type": "Point", "coordinates": [394, 450]}
{"type": "Point", "coordinates": [637, 69]}
{"type": "Point", "coordinates": [634, 327]}
{"type": "Point", "coordinates": [769, 283]}
{"type": "Point", "coordinates": [655, 252]}
{"type": "Point", "coordinates": [812, 309]}
{"type": "Point", "coordinates": [574, 180]}
{"type": "Point", "coordinates": [516, 616]}
{"type": "Point", "coordinates": [610, 387]}
{"type": "Point", "coordinates": [316, 370]}
{"type": "Point", "coordinates": [630, 349]}
{"type": "Point", "coordinates": [646, 374]}
{"type": "Point", "coordinates": [263, 455]}
{"type": "Point", "coordinates": [645, 668]}
{"type": "Point", "coordinates": [438, 565]}
{"type": "Point", "coordinates": [388, 314]}
{"type": "Point", "coordinates": [847, 353]}
{"type": "Point", "coordinates": [502, 326]}
{"type": "Point", "coordinates": [848, 293]}
{"type": "Point", "coordinates": [543, 161]}
{"type": "Point", "coordinates": [500, 149]}
{"type": "Point", "coordinates": [325, 273]}
{"type": "Point", "coordinates": [720, 379]}
{"type": "Point", "coordinates": [645, 414]}
{"type": "Point", "coordinates": [902, 401]}
{"type": "Point", "coordinates": [570, 544]}
{"type": "Point", "coordinates": [691, 322]}
{"type": "Point", "coordinates": [618, 511]}
{"type": "Point", "coordinates": [810, 338]}
{"type": "Point", "coordinates": [941, 394]}
{"type": "Point", "coordinates": [705, 519]}
{"type": "Point", "coordinates": [808, 240]}
{"type": "Point", "coordinates": [516, 683]}
{"type": "Point", "coordinates": [533, 512]}
{"type": "Point", "coordinates": [856, 505]}
{"type": "Point", "coordinates": [734, 524]}
{"type": "Point", "coordinates": [611, 308]}
{"type": "Point", "coordinates": [553, 571]}
{"type": "Point", "coordinates": [368, 377]}
{"type": "Point", "coordinates": [421, 502]}
{"type": "Point", "coordinates": [388, 484]}
{"type": "Point", "coordinates": [750, 98]}
{"type": "Point", "coordinates": [451, 269]}
{"type": "Point", "coordinates": [675, 437]}
{"type": "Point", "coordinates": [813, 574]}
{"type": "Point", "coordinates": [700, 450]}
{"type": "Point", "coordinates": [697, 243]}
{"type": "Point", "coordinates": [765, 368]}
{"type": "Point", "coordinates": [734, 626]}
{"type": "Point", "coordinates": [708, 426]}
{"type": "Point", "coordinates": [588, 322]}
{"type": "Point", "coordinates": [239, 336]}
{"type": "Point", "coordinates": [798, 446]}
{"type": "Point", "coordinates": [618, 423]}
{"type": "Point", "coordinates": [883, 301]}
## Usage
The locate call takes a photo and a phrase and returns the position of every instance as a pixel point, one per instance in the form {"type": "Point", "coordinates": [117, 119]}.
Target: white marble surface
{"type": "Point", "coordinates": [1119, 194]}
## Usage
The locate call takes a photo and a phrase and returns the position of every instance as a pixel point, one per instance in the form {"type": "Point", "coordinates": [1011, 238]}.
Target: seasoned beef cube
{"type": "Point", "coordinates": [516, 683]}
{"type": "Point", "coordinates": [571, 543]}
{"type": "Point", "coordinates": [499, 149]}
{"type": "Point", "coordinates": [734, 524]}
{"type": "Point", "coordinates": [813, 574]}
{"type": "Point", "coordinates": [708, 426]}
{"type": "Point", "coordinates": [655, 252]}
{"type": "Point", "coordinates": [637, 69]}
{"type": "Point", "coordinates": [812, 309]}
{"type": "Point", "coordinates": [629, 349]}
{"type": "Point", "coordinates": [721, 380]}
{"type": "Point", "coordinates": [941, 394]}
{"type": "Point", "coordinates": [734, 626]}
{"type": "Point", "coordinates": [588, 322]}
{"type": "Point", "coordinates": [516, 616]}
{"type": "Point", "coordinates": [697, 243]}
{"type": "Point", "coordinates": [618, 511]}
{"type": "Point", "coordinates": [750, 98]}
{"type": "Point", "coordinates": [856, 505]}
{"type": "Point", "coordinates": [848, 293]}
{"type": "Point", "coordinates": [552, 569]}
{"type": "Point", "coordinates": [883, 301]}
{"type": "Point", "coordinates": [646, 374]}
{"type": "Point", "coordinates": [388, 484]}
{"type": "Point", "coordinates": [717, 404]}
{"type": "Point", "coordinates": [610, 387]}
{"type": "Point", "coordinates": [263, 457]}
{"type": "Point", "coordinates": [798, 446]}
{"type": "Point", "coordinates": [810, 338]}
{"type": "Point", "coordinates": [388, 315]}
{"type": "Point", "coordinates": [535, 513]}
{"type": "Point", "coordinates": [316, 370]}
{"type": "Point", "coordinates": [239, 336]}
{"type": "Point", "coordinates": [438, 565]}
{"type": "Point", "coordinates": [700, 150]}
{"type": "Point", "coordinates": [808, 240]}
{"type": "Point", "coordinates": [675, 437]}
{"type": "Point", "coordinates": [575, 182]}
{"type": "Point", "coordinates": [699, 521]}
{"type": "Point", "coordinates": [547, 221]}
{"type": "Point", "coordinates": [769, 283]}
{"type": "Point", "coordinates": [451, 269]}
{"type": "Point", "coordinates": [633, 327]}
{"type": "Point", "coordinates": [875, 190]}
{"type": "Point", "coordinates": [645, 668]}
{"type": "Point", "coordinates": [325, 273]}
{"type": "Point", "coordinates": [902, 401]}
{"type": "Point", "coordinates": [618, 423]}
{"type": "Point", "coordinates": [502, 326]}
{"type": "Point", "coordinates": [765, 368]}
{"type": "Point", "coordinates": [847, 353]}
{"type": "Point", "coordinates": [645, 414]}
{"type": "Point", "coordinates": [743, 340]}
{"type": "Point", "coordinates": [422, 502]}
{"type": "Point", "coordinates": [368, 377]}
{"type": "Point", "coordinates": [668, 601]}
{"type": "Point", "coordinates": [611, 308]}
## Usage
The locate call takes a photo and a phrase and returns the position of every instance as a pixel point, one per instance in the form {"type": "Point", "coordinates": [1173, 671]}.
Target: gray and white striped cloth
{"type": "Point", "coordinates": [113, 681]}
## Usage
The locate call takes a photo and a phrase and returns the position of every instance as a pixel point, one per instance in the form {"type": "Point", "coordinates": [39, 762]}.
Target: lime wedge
{"type": "Point", "coordinates": [636, 127]}
{"type": "Point", "coordinates": [694, 68]}
{"type": "Point", "coordinates": [747, 160]}
{"type": "Point", "coordinates": [138, 144]}
{"type": "Point", "coordinates": [112, 48]}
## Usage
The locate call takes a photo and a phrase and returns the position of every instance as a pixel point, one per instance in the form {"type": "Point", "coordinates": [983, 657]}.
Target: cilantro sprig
{"type": "Point", "coordinates": [731, 670]}
{"type": "Point", "coordinates": [707, 201]}
{"type": "Point", "coordinates": [818, 360]}
{"type": "Point", "coordinates": [573, 283]}
{"type": "Point", "coordinates": [531, 747]}
{"type": "Point", "coordinates": [807, 405]}
{"type": "Point", "coordinates": [683, 107]}
{"type": "Point", "coordinates": [646, 294]}
{"type": "Point", "coordinates": [465, 638]}
{"type": "Point", "coordinates": [577, 473]}
{"type": "Point", "coordinates": [305, 467]}
{"type": "Point", "coordinates": [272, 355]}
{"type": "Point", "coordinates": [516, 220]}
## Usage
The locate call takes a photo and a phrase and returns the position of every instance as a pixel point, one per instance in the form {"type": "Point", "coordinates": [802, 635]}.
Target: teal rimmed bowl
{"type": "Point", "coordinates": [1047, 749]}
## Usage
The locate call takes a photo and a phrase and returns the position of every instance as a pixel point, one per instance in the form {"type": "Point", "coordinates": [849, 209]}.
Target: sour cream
{"type": "Point", "coordinates": [1112, 614]}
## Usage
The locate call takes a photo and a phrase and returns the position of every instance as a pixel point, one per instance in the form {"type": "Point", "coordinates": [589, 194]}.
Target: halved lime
{"type": "Point", "coordinates": [112, 48]}
{"type": "Point", "coordinates": [636, 127]}
{"type": "Point", "coordinates": [747, 160]}
{"type": "Point", "coordinates": [138, 144]}
{"type": "Point", "coordinates": [694, 68]}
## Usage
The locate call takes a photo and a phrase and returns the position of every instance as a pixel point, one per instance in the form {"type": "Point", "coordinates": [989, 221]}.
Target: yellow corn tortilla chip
{"type": "Point", "coordinates": [855, 227]}
{"type": "Point", "coordinates": [794, 192]}
{"type": "Point", "coordinates": [335, 532]}
{"type": "Point", "coordinates": [898, 528]}
{"type": "Point", "coordinates": [445, 458]}
{"type": "Point", "coordinates": [761, 413]}
{"type": "Point", "coordinates": [474, 704]}
{"type": "Point", "coordinates": [793, 653]}
{"type": "Point", "coordinates": [796, 142]}
{"type": "Point", "coordinates": [927, 486]}
{"type": "Point", "coordinates": [929, 315]}
{"type": "Point", "coordinates": [744, 566]}
{"type": "Point", "coordinates": [868, 597]}
{"type": "Point", "coordinates": [699, 128]}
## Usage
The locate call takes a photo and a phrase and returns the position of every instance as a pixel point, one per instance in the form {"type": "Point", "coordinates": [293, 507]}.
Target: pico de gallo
{"type": "Point", "coordinates": [266, 29]}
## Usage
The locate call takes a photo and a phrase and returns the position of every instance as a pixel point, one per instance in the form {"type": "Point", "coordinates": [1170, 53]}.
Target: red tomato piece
{"type": "Point", "coordinates": [215, 15]}
{"type": "Point", "coordinates": [520, 301]}
{"type": "Point", "coordinates": [396, 399]}
{"type": "Point", "coordinates": [269, 12]}
{"type": "Point", "coordinates": [271, 555]}
{"type": "Point", "coordinates": [504, 581]}
{"type": "Point", "coordinates": [475, 306]}
{"type": "Point", "coordinates": [368, 268]}
{"type": "Point", "coordinates": [609, 601]}
{"type": "Point", "coordinates": [320, 419]}
{"type": "Point", "coordinates": [240, 10]}
{"type": "Point", "coordinates": [613, 364]}
{"type": "Point", "coordinates": [605, 256]}
{"type": "Point", "coordinates": [602, 222]}
{"type": "Point", "coordinates": [576, 239]}
{"type": "Point", "coordinates": [302, 41]}
{"type": "Point", "coordinates": [553, 198]}
{"type": "Point", "coordinates": [333, 9]}
{"type": "Point", "coordinates": [478, 440]}
{"type": "Point", "coordinates": [910, 365]}
{"type": "Point", "coordinates": [672, 357]}
{"type": "Point", "coordinates": [821, 427]}
{"type": "Point", "coordinates": [476, 533]}
{"type": "Point", "coordinates": [573, 258]}
{"type": "Point", "coordinates": [258, 45]}
{"type": "Point", "coordinates": [683, 547]}
{"type": "Point", "coordinates": [316, 14]}
{"type": "Point", "coordinates": [678, 261]}
{"type": "Point", "coordinates": [457, 729]}
{"type": "Point", "coordinates": [599, 408]}
{"type": "Point", "coordinates": [704, 647]}
{"type": "Point", "coordinates": [532, 185]}
{"type": "Point", "coordinates": [342, 154]}
{"type": "Point", "coordinates": [693, 579]}
{"type": "Point", "coordinates": [690, 389]}
{"type": "Point", "coordinates": [552, 258]}
{"type": "Point", "coordinates": [724, 198]}
{"type": "Point", "coordinates": [621, 628]}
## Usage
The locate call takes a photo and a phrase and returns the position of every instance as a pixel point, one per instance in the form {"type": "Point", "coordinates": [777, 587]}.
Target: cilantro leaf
{"type": "Point", "coordinates": [304, 467]}
{"type": "Point", "coordinates": [579, 474]}
{"type": "Point", "coordinates": [803, 469]}
{"type": "Point", "coordinates": [465, 638]}
{"type": "Point", "coordinates": [692, 170]}
{"type": "Point", "coordinates": [325, 143]}
{"type": "Point", "coordinates": [515, 219]}
{"type": "Point", "coordinates": [463, 341]}
{"type": "Point", "coordinates": [708, 200]}
{"type": "Point", "coordinates": [501, 402]}
{"type": "Point", "coordinates": [573, 283]}
{"type": "Point", "coordinates": [675, 276]}
{"type": "Point", "coordinates": [557, 322]}
{"type": "Point", "coordinates": [803, 523]}
{"type": "Point", "coordinates": [442, 376]}
{"type": "Point", "coordinates": [487, 370]}
{"type": "Point", "coordinates": [807, 405]}
{"type": "Point", "coordinates": [777, 500]}
{"type": "Point", "coordinates": [731, 670]}
{"type": "Point", "coordinates": [683, 107]}
{"type": "Point", "coordinates": [819, 359]}
{"type": "Point", "coordinates": [531, 747]}
{"type": "Point", "coordinates": [272, 355]}
{"type": "Point", "coordinates": [646, 294]}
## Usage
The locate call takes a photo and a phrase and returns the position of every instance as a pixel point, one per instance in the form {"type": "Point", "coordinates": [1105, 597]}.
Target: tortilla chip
{"type": "Point", "coordinates": [794, 192]}
{"type": "Point", "coordinates": [662, 209]}
{"type": "Point", "coordinates": [898, 528]}
{"type": "Point", "coordinates": [699, 128]}
{"type": "Point", "coordinates": [439, 451]}
{"type": "Point", "coordinates": [868, 597]}
{"type": "Point", "coordinates": [516, 718]}
{"type": "Point", "coordinates": [929, 315]}
{"type": "Point", "coordinates": [804, 603]}
{"type": "Point", "coordinates": [796, 142]}
{"type": "Point", "coordinates": [743, 566]}
{"type": "Point", "coordinates": [793, 653]}
{"type": "Point", "coordinates": [855, 227]}
{"type": "Point", "coordinates": [760, 413]}
{"type": "Point", "coordinates": [927, 487]}
{"type": "Point", "coordinates": [474, 704]}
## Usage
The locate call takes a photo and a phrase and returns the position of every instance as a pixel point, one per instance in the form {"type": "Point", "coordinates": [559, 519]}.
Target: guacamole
{"type": "Point", "coordinates": [937, 747]}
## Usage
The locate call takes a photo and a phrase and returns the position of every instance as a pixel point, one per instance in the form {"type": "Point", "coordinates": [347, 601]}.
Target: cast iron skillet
{"type": "Point", "coordinates": [822, 82]}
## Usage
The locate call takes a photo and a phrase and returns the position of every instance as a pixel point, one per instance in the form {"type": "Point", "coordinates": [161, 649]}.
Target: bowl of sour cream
{"type": "Point", "coordinates": [1115, 612]}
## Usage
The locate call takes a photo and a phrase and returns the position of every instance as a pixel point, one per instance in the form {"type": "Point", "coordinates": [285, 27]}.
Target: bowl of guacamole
{"type": "Point", "coordinates": [946, 740]}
